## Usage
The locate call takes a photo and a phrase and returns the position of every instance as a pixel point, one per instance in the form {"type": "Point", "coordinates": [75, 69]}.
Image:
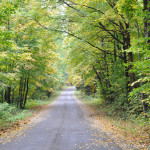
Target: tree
{"type": "Point", "coordinates": [28, 53]}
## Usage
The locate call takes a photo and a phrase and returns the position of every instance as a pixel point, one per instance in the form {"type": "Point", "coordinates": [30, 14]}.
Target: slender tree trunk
{"type": "Point", "coordinates": [8, 90]}
{"type": "Point", "coordinates": [141, 83]}
{"type": "Point", "coordinates": [132, 75]}
{"type": "Point", "coordinates": [147, 35]}
{"type": "Point", "coordinates": [18, 102]}
{"type": "Point", "coordinates": [107, 71]}
{"type": "Point", "coordinates": [5, 95]}
{"type": "Point", "coordinates": [2, 93]}
{"type": "Point", "coordinates": [126, 45]}
{"type": "Point", "coordinates": [13, 95]}
{"type": "Point", "coordinates": [27, 89]}
{"type": "Point", "coordinates": [146, 21]}
{"type": "Point", "coordinates": [49, 94]}
{"type": "Point", "coordinates": [8, 94]}
{"type": "Point", "coordinates": [24, 91]}
{"type": "Point", "coordinates": [125, 61]}
{"type": "Point", "coordinates": [106, 66]}
{"type": "Point", "coordinates": [98, 76]}
{"type": "Point", "coordinates": [115, 53]}
{"type": "Point", "coordinates": [20, 93]}
{"type": "Point", "coordinates": [130, 54]}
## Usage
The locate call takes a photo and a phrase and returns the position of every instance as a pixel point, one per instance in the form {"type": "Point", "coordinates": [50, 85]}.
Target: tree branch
{"type": "Point", "coordinates": [71, 7]}
{"type": "Point", "coordinates": [97, 10]}
{"type": "Point", "coordinates": [104, 28]}
{"type": "Point", "coordinates": [71, 34]}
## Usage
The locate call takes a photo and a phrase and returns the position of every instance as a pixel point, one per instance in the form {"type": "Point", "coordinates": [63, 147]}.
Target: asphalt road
{"type": "Point", "coordinates": [64, 128]}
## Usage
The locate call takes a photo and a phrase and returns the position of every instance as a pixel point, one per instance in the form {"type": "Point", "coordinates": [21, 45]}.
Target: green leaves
{"type": "Point", "coordinates": [108, 47]}
{"type": "Point", "coordinates": [28, 52]}
{"type": "Point", "coordinates": [101, 43]}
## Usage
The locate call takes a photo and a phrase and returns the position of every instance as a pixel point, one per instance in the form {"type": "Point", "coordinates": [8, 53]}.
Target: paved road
{"type": "Point", "coordinates": [64, 128]}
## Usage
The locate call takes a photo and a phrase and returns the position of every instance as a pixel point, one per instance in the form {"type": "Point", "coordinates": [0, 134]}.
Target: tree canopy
{"type": "Point", "coordinates": [100, 46]}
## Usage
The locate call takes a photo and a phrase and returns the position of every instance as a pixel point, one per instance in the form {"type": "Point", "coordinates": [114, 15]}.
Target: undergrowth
{"type": "Point", "coordinates": [9, 114]}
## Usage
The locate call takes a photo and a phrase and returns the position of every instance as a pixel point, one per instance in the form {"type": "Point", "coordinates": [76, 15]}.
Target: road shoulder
{"type": "Point", "coordinates": [100, 124]}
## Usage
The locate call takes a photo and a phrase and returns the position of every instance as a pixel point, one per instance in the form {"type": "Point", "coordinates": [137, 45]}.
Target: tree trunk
{"type": "Point", "coordinates": [2, 93]}
{"type": "Point", "coordinates": [24, 92]}
{"type": "Point", "coordinates": [107, 71]}
{"type": "Point", "coordinates": [13, 95]}
{"type": "Point", "coordinates": [8, 94]}
{"type": "Point", "coordinates": [5, 95]}
{"type": "Point", "coordinates": [98, 76]}
{"type": "Point", "coordinates": [141, 83]}
{"type": "Point", "coordinates": [27, 89]}
{"type": "Point", "coordinates": [146, 21]}
{"type": "Point", "coordinates": [132, 75]}
{"type": "Point", "coordinates": [127, 44]}
{"type": "Point", "coordinates": [147, 35]}
{"type": "Point", "coordinates": [20, 93]}
{"type": "Point", "coordinates": [49, 94]}
{"type": "Point", "coordinates": [115, 53]}
{"type": "Point", "coordinates": [125, 61]}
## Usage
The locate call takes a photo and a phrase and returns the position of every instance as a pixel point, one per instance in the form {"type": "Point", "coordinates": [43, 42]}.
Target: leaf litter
{"type": "Point", "coordinates": [105, 129]}
{"type": "Point", "coordinates": [17, 130]}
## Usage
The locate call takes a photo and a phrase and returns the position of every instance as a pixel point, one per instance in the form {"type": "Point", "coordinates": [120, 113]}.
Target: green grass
{"type": "Point", "coordinates": [9, 114]}
{"type": "Point", "coordinates": [88, 99]}
{"type": "Point", "coordinates": [32, 104]}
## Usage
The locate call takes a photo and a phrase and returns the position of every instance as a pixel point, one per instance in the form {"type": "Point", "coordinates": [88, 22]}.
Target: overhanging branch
{"type": "Point", "coordinates": [71, 34]}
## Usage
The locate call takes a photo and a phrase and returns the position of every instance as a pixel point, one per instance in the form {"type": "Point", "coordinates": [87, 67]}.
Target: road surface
{"type": "Point", "coordinates": [64, 128]}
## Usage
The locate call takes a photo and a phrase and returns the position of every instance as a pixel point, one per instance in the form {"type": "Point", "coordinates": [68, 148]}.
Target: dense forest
{"type": "Point", "coordinates": [100, 46]}
{"type": "Point", "coordinates": [30, 61]}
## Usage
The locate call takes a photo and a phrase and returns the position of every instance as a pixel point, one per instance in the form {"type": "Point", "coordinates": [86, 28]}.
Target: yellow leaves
{"type": "Point", "coordinates": [3, 54]}
{"type": "Point", "coordinates": [86, 32]}
{"type": "Point", "coordinates": [75, 79]}
{"type": "Point", "coordinates": [38, 84]}
{"type": "Point", "coordinates": [126, 7]}
{"type": "Point", "coordinates": [51, 90]}
{"type": "Point", "coordinates": [134, 6]}
{"type": "Point", "coordinates": [52, 12]}
{"type": "Point", "coordinates": [30, 58]}
{"type": "Point", "coordinates": [50, 69]}
{"type": "Point", "coordinates": [22, 27]}
{"type": "Point", "coordinates": [84, 2]}
{"type": "Point", "coordinates": [19, 25]}
{"type": "Point", "coordinates": [26, 56]}
{"type": "Point", "coordinates": [90, 81]}
{"type": "Point", "coordinates": [7, 76]}
{"type": "Point", "coordinates": [73, 14]}
{"type": "Point", "coordinates": [2, 28]}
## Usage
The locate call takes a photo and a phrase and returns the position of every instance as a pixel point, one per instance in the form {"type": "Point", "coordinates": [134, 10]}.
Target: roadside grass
{"type": "Point", "coordinates": [136, 131]}
{"type": "Point", "coordinates": [35, 104]}
{"type": "Point", "coordinates": [10, 115]}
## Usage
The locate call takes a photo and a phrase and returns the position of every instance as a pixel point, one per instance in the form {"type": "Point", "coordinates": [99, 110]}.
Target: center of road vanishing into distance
{"type": "Point", "coordinates": [64, 127]}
